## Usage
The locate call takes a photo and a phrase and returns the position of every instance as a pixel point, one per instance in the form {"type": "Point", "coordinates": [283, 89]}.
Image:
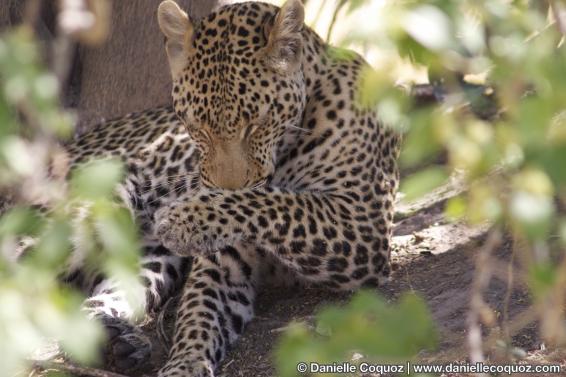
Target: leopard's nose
{"type": "Point", "coordinates": [231, 183]}
{"type": "Point", "coordinates": [231, 174]}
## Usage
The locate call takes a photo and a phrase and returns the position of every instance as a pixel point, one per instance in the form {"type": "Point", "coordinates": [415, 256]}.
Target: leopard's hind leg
{"type": "Point", "coordinates": [161, 274]}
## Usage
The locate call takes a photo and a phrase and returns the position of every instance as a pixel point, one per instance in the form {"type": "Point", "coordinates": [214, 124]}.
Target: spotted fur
{"type": "Point", "coordinates": [291, 169]}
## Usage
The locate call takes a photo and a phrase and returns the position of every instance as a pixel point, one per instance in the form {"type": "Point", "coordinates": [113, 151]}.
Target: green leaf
{"type": "Point", "coordinates": [542, 278]}
{"type": "Point", "coordinates": [82, 338]}
{"type": "Point", "coordinates": [117, 232]}
{"type": "Point", "coordinates": [552, 159]}
{"type": "Point", "coordinates": [533, 212]}
{"type": "Point", "coordinates": [423, 182]}
{"type": "Point", "coordinates": [372, 87]}
{"type": "Point", "coordinates": [8, 124]}
{"type": "Point", "coordinates": [422, 142]}
{"type": "Point", "coordinates": [355, 4]}
{"type": "Point", "coordinates": [54, 246]}
{"type": "Point", "coordinates": [455, 208]}
{"type": "Point", "coordinates": [341, 54]}
{"type": "Point", "coordinates": [21, 221]}
{"type": "Point", "coordinates": [96, 179]}
{"type": "Point", "coordinates": [429, 26]}
{"type": "Point", "coordinates": [294, 347]}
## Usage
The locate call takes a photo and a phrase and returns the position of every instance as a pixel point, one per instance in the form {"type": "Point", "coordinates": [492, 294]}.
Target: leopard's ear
{"type": "Point", "coordinates": [178, 29]}
{"type": "Point", "coordinates": [284, 49]}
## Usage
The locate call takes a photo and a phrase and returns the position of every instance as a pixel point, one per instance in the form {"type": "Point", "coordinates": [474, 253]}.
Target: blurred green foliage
{"type": "Point", "coordinates": [80, 218]}
{"type": "Point", "coordinates": [382, 333]}
{"type": "Point", "coordinates": [513, 159]}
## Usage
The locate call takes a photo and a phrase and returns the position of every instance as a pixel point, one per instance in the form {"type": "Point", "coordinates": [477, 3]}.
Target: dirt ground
{"type": "Point", "coordinates": [432, 257]}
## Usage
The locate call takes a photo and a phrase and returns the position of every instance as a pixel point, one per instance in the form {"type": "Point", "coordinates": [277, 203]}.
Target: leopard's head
{"type": "Point", "coordinates": [237, 85]}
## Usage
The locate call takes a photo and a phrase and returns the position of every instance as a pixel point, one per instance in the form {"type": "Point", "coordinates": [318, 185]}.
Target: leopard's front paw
{"type": "Point", "coordinates": [172, 228]}
{"type": "Point", "coordinates": [183, 230]}
{"type": "Point", "coordinates": [187, 368]}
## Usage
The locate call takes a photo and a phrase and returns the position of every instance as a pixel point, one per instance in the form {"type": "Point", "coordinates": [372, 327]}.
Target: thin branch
{"type": "Point", "coordinates": [65, 366]}
{"type": "Point", "coordinates": [161, 332]}
{"type": "Point", "coordinates": [558, 13]}
{"type": "Point", "coordinates": [482, 277]}
{"type": "Point", "coordinates": [507, 299]}
{"type": "Point", "coordinates": [518, 323]}
{"type": "Point", "coordinates": [334, 17]}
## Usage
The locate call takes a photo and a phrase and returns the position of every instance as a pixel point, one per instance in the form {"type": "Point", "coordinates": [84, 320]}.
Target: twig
{"type": "Point", "coordinates": [65, 366]}
{"type": "Point", "coordinates": [63, 46]}
{"type": "Point", "coordinates": [161, 333]}
{"type": "Point", "coordinates": [507, 299]}
{"type": "Point", "coordinates": [334, 17]}
{"type": "Point", "coordinates": [482, 276]}
{"type": "Point", "coordinates": [518, 323]}
{"type": "Point", "coordinates": [551, 308]}
{"type": "Point", "coordinates": [557, 12]}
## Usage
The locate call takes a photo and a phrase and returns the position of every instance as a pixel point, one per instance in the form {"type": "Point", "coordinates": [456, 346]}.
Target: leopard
{"type": "Point", "coordinates": [264, 169]}
{"type": "Point", "coordinates": [293, 169]}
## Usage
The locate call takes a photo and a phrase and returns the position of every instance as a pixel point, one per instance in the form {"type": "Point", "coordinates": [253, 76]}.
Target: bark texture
{"type": "Point", "coordinates": [129, 72]}
{"type": "Point", "coordinates": [10, 13]}
{"type": "Point", "coordinates": [200, 8]}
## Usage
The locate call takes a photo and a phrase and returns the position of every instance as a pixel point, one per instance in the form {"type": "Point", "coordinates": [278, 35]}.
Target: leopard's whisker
{"type": "Point", "coordinates": [151, 186]}
{"type": "Point", "coordinates": [299, 128]}
{"type": "Point", "coordinates": [175, 190]}
{"type": "Point", "coordinates": [188, 175]}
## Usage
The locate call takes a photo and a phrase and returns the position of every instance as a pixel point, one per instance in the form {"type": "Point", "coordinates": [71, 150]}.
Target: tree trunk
{"type": "Point", "coordinates": [201, 8]}
{"type": "Point", "coordinates": [10, 13]}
